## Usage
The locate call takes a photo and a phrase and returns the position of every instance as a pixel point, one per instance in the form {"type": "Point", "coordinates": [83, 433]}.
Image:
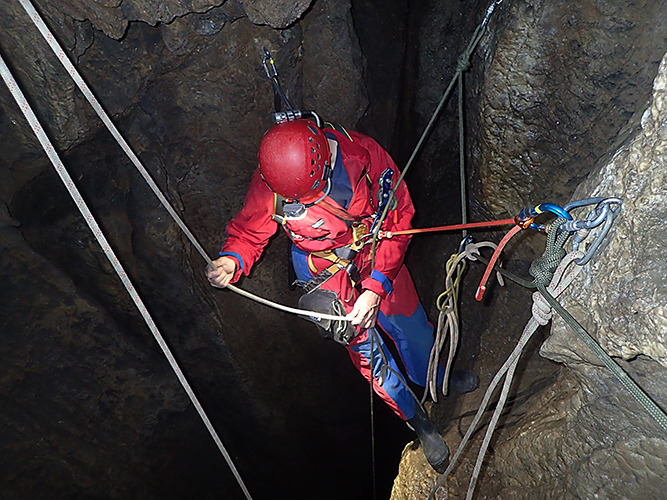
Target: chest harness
{"type": "Point", "coordinates": [341, 258]}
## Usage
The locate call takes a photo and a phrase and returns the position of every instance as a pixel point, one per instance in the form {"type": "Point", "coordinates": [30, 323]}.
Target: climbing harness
{"type": "Point", "coordinates": [341, 258]}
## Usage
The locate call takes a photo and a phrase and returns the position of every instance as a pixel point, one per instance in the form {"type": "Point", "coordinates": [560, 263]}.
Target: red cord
{"type": "Point", "coordinates": [504, 222]}
{"type": "Point", "coordinates": [482, 285]}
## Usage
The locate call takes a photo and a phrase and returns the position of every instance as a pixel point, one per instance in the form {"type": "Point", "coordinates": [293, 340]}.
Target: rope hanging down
{"type": "Point", "coordinates": [544, 303]}
{"type": "Point", "coordinates": [540, 316]}
{"type": "Point", "coordinates": [113, 259]}
{"type": "Point", "coordinates": [462, 65]}
{"type": "Point", "coordinates": [69, 67]}
{"type": "Point", "coordinates": [448, 319]}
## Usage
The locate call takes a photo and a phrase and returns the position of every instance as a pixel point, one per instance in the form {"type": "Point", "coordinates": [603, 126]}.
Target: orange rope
{"type": "Point", "coordinates": [504, 222]}
{"type": "Point", "coordinates": [482, 285]}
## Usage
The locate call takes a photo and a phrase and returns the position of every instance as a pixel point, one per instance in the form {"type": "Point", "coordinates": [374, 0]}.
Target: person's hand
{"type": "Point", "coordinates": [223, 273]}
{"type": "Point", "coordinates": [366, 310]}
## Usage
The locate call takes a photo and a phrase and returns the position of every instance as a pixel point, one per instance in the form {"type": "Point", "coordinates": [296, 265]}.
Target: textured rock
{"type": "Point", "coordinates": [89, 407]}
{"type": "Point", "coordinates": [631, 272]}
{"type": "Point", "coordinates": [561, 82]}
{"type": "Point", "coordinates": [589, 427]}
{"type": "Point", "coordinates": [113, 16]}
{"type": "Point", "coordinates": [332, 64]}
{"type": "Point", "coordinates": [191, 97]}
{"type": "Point", "coordinates": [415, 478]}
{"type": "Point", "coordinates": [548, 108]}
{"type": "Point", "coordinates": [277, 14]}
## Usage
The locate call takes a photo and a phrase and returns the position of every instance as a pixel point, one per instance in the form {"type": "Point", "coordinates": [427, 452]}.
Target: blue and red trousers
{"type": "Point", "coordinates": [404, 320]}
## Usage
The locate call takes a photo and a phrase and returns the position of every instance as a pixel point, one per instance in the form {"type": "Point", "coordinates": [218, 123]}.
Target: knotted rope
{"type": "Point", "coordinates": [562, 277]}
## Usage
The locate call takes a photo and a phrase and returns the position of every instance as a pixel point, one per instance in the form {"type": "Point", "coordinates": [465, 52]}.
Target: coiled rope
{"type": "Point", "coordinates": [550, 268]}
{"type": "Point", "coordinates": [101, 239]}
{"type": "Point", "coordinates": [541, 316]}
{"type": "Point", "coordinates": [448, 318]}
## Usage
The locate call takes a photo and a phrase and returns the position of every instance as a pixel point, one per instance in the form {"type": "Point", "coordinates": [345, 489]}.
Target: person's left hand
{"type": "Point", "coordinates": [365, 310]}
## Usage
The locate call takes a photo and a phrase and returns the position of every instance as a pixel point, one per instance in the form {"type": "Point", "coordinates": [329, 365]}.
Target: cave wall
{"type": "Point", "coordinates": [564, 106]}
{"type": "Point", "coordinates": [81, 373]}
{"type": "Point", "coordinates": [86, 396]}
{"type": "Point", "coordinates": [588, 437]}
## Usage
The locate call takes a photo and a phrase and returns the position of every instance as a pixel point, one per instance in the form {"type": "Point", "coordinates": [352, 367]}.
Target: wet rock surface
{"type": "Point", "coordinates": [626, 444]}
{"type": "Point", "coordinates": [89, 407]}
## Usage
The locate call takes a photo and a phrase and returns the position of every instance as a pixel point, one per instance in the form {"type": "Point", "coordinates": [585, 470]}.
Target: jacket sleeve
{"type": "Point", "coordinates": [389, 252]}
{"type": "Point", "coordinates": [249, 231]}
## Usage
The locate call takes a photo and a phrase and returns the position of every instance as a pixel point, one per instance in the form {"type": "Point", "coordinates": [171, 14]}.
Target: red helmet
{"type": "Point", "coordinates": [294, 159]}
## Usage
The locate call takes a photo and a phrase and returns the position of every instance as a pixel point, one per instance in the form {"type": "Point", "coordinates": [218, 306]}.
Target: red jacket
{"type": "Point", "coordinates": [364, 160]}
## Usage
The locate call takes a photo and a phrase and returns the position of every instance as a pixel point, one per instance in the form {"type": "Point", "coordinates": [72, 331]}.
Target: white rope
{"type": "Point", "coordinates": [448, 325]}
{"type": "Point", "coordinates": [542, 313]}
{"type": "Point", "coordinates": [97, 232]}
{"type": "Point", "coordinates": [69, 67]}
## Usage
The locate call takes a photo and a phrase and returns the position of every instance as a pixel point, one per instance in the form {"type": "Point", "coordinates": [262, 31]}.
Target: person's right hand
{"type": "Point", "coordinates": [223, 273]}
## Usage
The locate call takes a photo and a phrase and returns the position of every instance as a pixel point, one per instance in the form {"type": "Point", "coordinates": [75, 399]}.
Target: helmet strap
{"type": "Point", "coordinates": [327, 190]}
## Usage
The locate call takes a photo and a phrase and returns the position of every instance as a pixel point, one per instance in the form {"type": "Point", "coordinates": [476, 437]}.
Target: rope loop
{"type": "Point", "coordinates": [543, 268]}
{"type": "Point", "coordinates": [542, 310]}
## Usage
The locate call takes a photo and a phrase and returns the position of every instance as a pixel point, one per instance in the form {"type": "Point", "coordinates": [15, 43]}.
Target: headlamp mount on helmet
{"type": "Point", "coordinates": [294, 158]}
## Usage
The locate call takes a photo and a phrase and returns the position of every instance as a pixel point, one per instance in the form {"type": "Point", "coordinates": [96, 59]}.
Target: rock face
{"type": "Point", "coordinates": [184, 83]}
{"type": "Point", "coordinates": [88, 405]}
{"type": "Point", "coordinates": [552, 64]}
{"type": "Point", "coordinates": [584, 426]}
{"type": "Point", "coordinates": [600, 429]}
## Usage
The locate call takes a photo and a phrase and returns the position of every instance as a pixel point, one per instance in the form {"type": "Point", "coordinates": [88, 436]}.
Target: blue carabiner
{"type": "Point", "coordinates": [529, 213]}
{"type": "Point", "coordinates": [554, 209]}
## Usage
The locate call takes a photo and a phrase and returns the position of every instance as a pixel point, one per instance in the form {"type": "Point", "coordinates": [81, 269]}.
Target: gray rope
{"type": "Point", "coordinates": [113, 259]}
{"type": "Point", "coordinates": [99, 110]}
{"type": "Point", "coordinates": [540, 270]}
{"type": "Point", "coordinates": [463, 64]}
{"type": "Point", "coordinates": [541, 316]}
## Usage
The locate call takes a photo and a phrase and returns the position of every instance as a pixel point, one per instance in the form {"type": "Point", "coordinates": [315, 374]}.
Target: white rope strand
{"type": "Point", "coordinates": [542, 312]}
{"type": "Point", "coordinates": [88, 94]}
{"type": "Point", "coordinates": [97, 232]}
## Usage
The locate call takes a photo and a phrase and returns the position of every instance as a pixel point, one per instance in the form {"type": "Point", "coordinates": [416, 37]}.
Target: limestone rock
{"type": "Point", "coordinates": [113, 16]}
{"type": "Point", "coordinates": [589, 426]}
{"type": "Point", "coordinates": [552, 102]}
{"type": "Point", "coordinates": [277, 14]}
{"type": "Point", "coordinates": [630, 272]}
{"type": "Point", "coordinates": [332, 64]}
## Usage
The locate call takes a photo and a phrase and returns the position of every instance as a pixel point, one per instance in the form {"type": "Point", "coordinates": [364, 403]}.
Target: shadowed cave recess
{"type": "Point", "coordinates": [562, 101]}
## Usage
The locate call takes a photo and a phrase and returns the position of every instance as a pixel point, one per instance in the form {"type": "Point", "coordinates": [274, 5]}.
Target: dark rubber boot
{"type": "Point", "coordinates": [463, 381]}
{"type": "Point", "coordinates": [435, 448]}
